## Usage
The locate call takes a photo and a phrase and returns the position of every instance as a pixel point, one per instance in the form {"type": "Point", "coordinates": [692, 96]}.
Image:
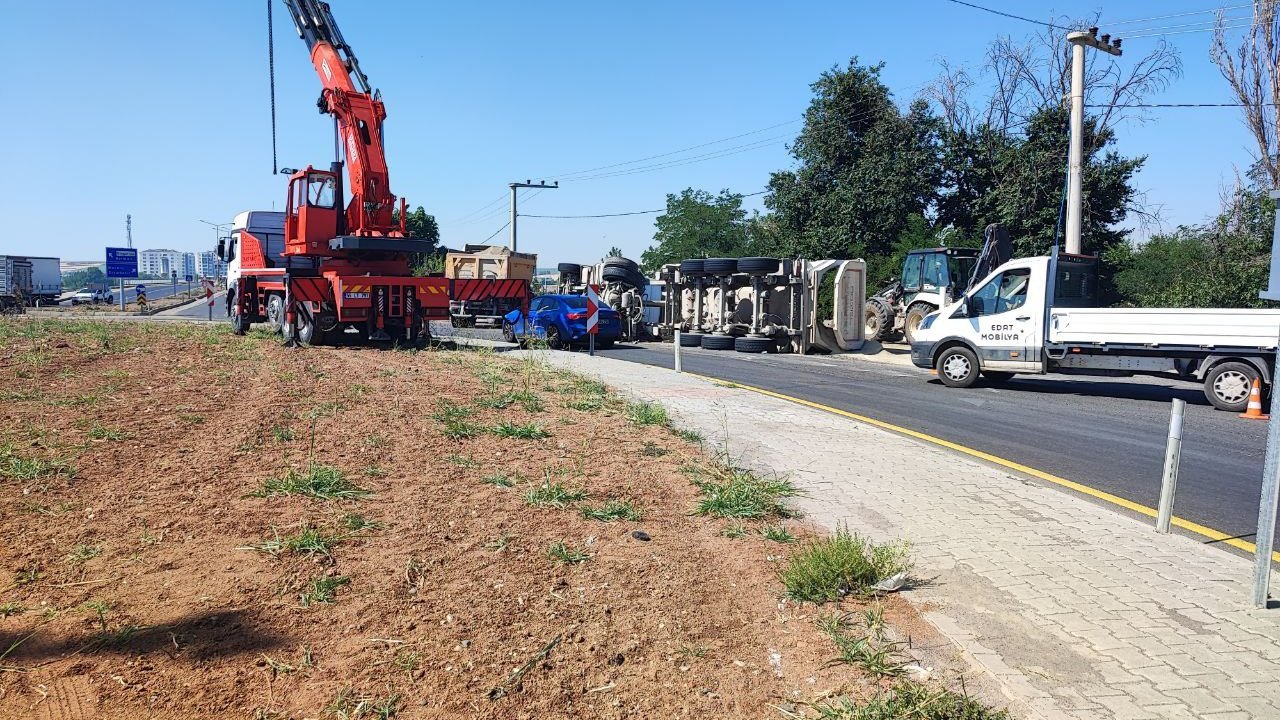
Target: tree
{"type": "Point", "coordinates": [864, 168]}
{"type": "Point", "coordinates": [1254, 77]}
{"type": "Point", "coordinates": [698, 224]}
{"type": "Point", "coordinates": [614, 251]}
{"type": "Point", "coordinates": [81, 278]}
{"type": "Point", "coordinates": [1223, 263]}
{"type": "Point", "coordinates": [420, 225]}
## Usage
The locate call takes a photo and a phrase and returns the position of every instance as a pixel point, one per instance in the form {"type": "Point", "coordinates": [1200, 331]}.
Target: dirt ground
{"type": "Point", "coordinates": [129, 455]}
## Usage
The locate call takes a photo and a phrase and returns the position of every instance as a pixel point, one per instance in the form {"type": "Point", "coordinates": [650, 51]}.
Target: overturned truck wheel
{"type": "Point", "coordinates": [691, 339]}
{"type": "Point", "coordinates": [718, 342]}
{"type": "Point", "coordinates": [750, 344]}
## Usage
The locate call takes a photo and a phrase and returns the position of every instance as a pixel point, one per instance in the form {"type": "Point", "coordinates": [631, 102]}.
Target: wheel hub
{"type": "Point", "coordinates": [1232, 386]}
{"type": "Point", "coordinates": [956, 367]}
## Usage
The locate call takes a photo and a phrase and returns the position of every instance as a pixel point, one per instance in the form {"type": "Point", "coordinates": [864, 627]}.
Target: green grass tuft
{"type": "Point", "coordinates": [908, 700]}
{"type": "Point", "coordinates": [562, 553]}
{"type": "Point", "coordinates": [460, 429]}
{"type": "Point", "coordinates": [84, 553]}
{"type": "Point", "coordinates": [356, 522]}
{"type": "Point", "coordinates": [842, 564]}
{"type": "Point", "coordinates": [778, 534]}
{"type": "Point", "coordinates": [308, 541]}
{"type": "Point", "coordinates": [19, 467]}
{"type": "Point", "coordinates": [318, 481]}
{"type": "Point", "coordinates": [498, 480]}
{"type": "Point", "coordinates": [527, 431]}
{"type": "Point", "coordinates": [322, 590]}
{"type": "Point", "coordinates": [739, 493]}
{"type": "Point", "coordinates": [734, 531]}
{"type": "Point", "coordinates": [647, 413]}
{"type": "Point", "coordinates": [612, 510]}
{"type": "Point", "coordinates": [100, 432]}
{"type": "Point", "coordinates": [554, 494]}
{"type": "Point", "coordinates": [462, 461]}
{"type": "Point", "coordinates": [347, 706]}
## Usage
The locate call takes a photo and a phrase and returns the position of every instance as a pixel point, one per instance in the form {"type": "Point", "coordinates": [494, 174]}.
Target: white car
{"type": "Point", "coordinates": [93, 297]}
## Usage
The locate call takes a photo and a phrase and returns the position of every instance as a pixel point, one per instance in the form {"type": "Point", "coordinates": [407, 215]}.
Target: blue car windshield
{"type": "Point", "coordinates": [576, 303]}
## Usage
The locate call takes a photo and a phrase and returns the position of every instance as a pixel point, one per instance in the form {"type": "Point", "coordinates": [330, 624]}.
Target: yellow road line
{"type": "Point", "coordinates": [1188, 525]}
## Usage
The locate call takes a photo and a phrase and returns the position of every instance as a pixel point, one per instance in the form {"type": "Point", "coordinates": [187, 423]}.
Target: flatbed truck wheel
{"type": "Point", "coordinates": [957, 367]}
{"type": "Point", "coordinates": [1227, 385]}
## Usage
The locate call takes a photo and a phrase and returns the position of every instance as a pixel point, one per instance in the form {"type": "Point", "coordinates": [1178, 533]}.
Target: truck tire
{"type": "Point", "coordinates": [748, 344]}
{"type": "Point", "coordinates": [690, 339]}
{"type": "Point", "coordinates": [877, 322]}
{"type": "Point", "coordinates": [508, 331]}
{"type": "Point", "coordinates": [720, 266]}
{"type": "Point", "coordinates": [624, 276]}
{"type": "Point", "coordinates": [758, 265]}
{"type": "Point", "coordinates": [718, 342]}
{"type": "Point", "coordinates": [1227, 385]}
{"type": "Point", "coordinates": [569, 269]}
{"type": "Point", "coordinates": [275, 313]}
{"type": "Point", "coordinates": [915, 316]}
{"type": "Point", "coordinates": [619, 261]}
{"type": "Point", "coordinates": [957, 367]}
{"type": "Point", "coordinates": [239, 326]}
{"type": "Point", "coordinates": [691, 267]}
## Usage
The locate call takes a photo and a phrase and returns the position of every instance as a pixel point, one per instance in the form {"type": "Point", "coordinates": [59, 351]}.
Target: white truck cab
{"type": "Point", "coordinates": [1038, 315]}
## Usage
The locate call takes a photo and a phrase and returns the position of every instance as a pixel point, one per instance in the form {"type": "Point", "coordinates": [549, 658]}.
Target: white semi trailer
{"type": "Point", "coordinates": [1037, 315]}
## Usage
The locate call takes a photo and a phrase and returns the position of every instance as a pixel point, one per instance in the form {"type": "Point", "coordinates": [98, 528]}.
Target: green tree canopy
{"type": "Point", "coordinates": [698, 224]}
{"type": "Point", "coordinates": [864, 168]}
{"type": "Point", "coordinates": [421, 225]}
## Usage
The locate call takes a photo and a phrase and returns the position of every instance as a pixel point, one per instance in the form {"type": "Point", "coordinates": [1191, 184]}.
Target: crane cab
{"type": "Point", "coordinates": [311, 212]}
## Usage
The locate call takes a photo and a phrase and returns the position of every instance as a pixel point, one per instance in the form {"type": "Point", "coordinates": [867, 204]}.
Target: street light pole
{"type": "Point", "coordinates": [541, 185]}
{"type": "Point", "coordinates": [1075, 161]}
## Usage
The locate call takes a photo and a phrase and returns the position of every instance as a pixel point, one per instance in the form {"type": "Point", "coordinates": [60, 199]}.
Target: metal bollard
{"type": "Point", "coordinates": [1172, 455]}
{"type": "Point", "coordinates": [677, 350]}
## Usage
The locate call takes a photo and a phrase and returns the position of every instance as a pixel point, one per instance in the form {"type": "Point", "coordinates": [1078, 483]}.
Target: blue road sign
{"type": "Point", "coordinates": [188, 278]}
{"type": "Point", "coordinates": [122, 262]}
{"type": "Point", "coordinates": [140, 288]}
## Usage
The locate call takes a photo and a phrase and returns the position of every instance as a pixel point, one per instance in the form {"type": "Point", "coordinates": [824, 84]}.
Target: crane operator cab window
{"type": "Point", "coordinates": [313, 214]}
{"type": "Point", "coordinates": [1007, 291]}
{"type": "Point", "coordinates": [317, 191]}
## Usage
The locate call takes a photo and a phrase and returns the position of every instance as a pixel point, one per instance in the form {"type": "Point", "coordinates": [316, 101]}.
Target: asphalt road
{"type": "Point", "coordinates": [154, 291]}
{"type": "Point", "coordinates": [200, 310]}
{"type": "Point", "coordinates": [1106, 433]}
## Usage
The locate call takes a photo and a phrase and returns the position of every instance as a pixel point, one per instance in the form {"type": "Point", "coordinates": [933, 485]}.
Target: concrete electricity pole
{"type": "Point", "coordinates": [1075, 170]}
{"type": "Point", "coordinates": [541, 185]}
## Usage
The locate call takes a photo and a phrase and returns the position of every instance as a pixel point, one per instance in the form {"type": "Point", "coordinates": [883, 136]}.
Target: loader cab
{"type": "Point", "coordinates": [311, 212]}
{"type": "Point", "coordinates": [933, 269]}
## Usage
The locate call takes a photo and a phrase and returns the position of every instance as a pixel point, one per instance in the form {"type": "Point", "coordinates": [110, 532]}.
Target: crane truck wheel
{"type": "Point", "coordinates": [877, 322]}
{"type": "Point", "coordinates": [1228, 384]}
{"type": "Point", "coordinates": [957, 367]}
{"type": "Point", "coordinates": [915, 316]}
{"type": "Point", "coordinates": [275, 313]}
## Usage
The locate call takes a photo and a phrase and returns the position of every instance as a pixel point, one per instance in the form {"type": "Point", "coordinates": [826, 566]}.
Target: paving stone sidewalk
{"type": "Point", "coordinates": [1075, 610]}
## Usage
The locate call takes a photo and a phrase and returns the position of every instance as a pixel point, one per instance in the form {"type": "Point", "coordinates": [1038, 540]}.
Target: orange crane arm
{"type": "Point", "coordinates": [359, 114]}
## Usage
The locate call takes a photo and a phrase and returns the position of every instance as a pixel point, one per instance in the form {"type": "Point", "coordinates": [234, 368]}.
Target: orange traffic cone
{"type": "Point", "coordinates": [1255, 403]}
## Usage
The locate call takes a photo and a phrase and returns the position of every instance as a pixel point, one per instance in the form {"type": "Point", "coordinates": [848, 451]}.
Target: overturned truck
{"type": "Point", "coordinates": [753, 305]}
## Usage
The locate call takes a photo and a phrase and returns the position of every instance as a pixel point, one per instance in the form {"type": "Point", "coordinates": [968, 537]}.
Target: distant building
{"type": "Point", "coordinates": [164, 263]}
{"type": "Point", "coordinates": [208, 265]}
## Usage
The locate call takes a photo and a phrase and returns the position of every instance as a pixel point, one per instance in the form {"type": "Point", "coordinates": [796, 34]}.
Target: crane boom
{"type": "Point", "coordinates": [359, 112]}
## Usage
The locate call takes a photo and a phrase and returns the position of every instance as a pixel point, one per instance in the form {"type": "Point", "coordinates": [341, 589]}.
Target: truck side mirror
{"type": "Point", "coordinates": [222, 249]}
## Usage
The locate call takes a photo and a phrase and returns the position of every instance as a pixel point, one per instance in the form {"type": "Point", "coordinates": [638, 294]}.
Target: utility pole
{"type": "Point", "coordinates": [541, 185]}
{"type": "Point", "coordinates": [1075, 170]}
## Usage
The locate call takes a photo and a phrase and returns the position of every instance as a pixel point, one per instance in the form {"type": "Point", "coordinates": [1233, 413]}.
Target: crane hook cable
{"type": "Point", "coordinates": [271, 75]}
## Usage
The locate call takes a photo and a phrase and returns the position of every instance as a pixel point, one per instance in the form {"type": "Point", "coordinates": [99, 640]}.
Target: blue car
{"type": "Point", "coordinates": [561, 320]}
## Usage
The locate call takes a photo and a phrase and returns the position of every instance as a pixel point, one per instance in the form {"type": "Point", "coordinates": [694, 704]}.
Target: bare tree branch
{"type": "Point", "coordinates": [1253, 72]}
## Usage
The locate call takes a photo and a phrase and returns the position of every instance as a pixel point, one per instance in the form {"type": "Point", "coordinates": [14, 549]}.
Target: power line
{"type": "Point", "coordinates": [1181, 14]}
{"type": "Point", "coordinates": [1200, 24]}
{"type": "Point", "coordinates": [1010, 15]}
{"type": "Point", "coordinates": [1178, 105]}
{"type": "Point", "coordinates": [495, 233]}
{"type": "Point", "coordinates": [621, 214]}
{"type": "Point", "coordinates": [1183, 32]}
{"type": "Point", "coordinates": [569, 175]}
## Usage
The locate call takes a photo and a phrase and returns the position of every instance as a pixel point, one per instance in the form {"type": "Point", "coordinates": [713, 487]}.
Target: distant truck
{"type": "Point", "coordinates": [30, 280]}
{"type": "Point", "coordinates": [487, 262]}
{"type": "Point", "coordinates": [1039, 315]}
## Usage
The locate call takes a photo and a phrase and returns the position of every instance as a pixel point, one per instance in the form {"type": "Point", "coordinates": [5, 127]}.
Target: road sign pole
{"type": "Point", "coordinates": [591, 344]}
{"type": "Point", "coordinates": [121, 294]}
{"type": "Point", "coordinates": [1265, 537]}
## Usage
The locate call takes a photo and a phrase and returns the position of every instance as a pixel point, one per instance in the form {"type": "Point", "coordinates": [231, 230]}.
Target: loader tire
{"type": "Point", "coordinates": [915, 316]}
{"type": "Point", "coordinates": [877, 322]}
{"type": "Point", "coordinates": [718, 342]}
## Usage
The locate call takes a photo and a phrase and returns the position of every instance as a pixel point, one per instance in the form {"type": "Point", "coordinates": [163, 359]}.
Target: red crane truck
{"type": "Point", "coordinates": [337, 271]}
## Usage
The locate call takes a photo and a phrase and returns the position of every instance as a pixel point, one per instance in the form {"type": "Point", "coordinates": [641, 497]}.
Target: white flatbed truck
{"type": "Point", "coordinates": [1035, 316]}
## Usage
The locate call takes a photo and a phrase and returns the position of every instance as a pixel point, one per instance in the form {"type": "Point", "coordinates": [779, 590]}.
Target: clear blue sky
{"type": "Point", "coordinates": [161, 109]}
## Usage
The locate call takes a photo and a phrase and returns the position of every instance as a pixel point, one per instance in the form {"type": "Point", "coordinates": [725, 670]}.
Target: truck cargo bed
{"type": "Point", "coordinates": [1165, 327]}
